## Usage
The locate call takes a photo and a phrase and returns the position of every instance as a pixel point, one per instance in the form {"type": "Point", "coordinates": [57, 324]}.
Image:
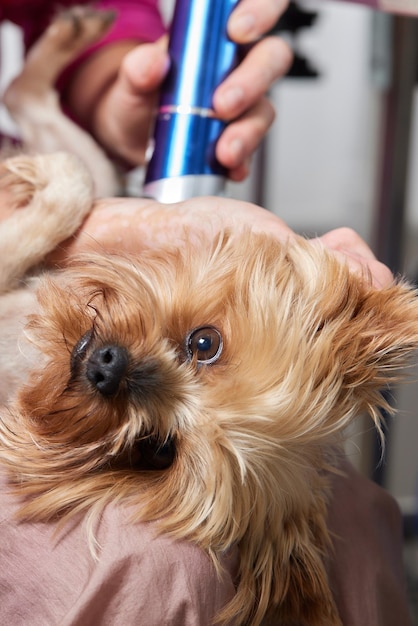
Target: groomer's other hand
{"type": "Point", "coordinates": [348, 246]}
{"type": "Point", "coordinates": [242, 98]}
{"type": "Point", "coordinates": [129, 224]}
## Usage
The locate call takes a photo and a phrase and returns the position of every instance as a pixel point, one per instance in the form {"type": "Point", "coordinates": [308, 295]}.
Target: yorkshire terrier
{"type": "Point", "coordinates": [206, 385]}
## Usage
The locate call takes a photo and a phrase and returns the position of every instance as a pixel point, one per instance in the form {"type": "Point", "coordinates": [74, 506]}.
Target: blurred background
{"type": "Point", "coordinates": [342, 152]}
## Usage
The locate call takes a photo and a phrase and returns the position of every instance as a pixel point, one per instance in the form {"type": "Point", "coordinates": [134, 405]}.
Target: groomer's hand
{"type": "Point", "coordinates": [115, 92]}
{"type": "Point", "coordinates": [129, 224]}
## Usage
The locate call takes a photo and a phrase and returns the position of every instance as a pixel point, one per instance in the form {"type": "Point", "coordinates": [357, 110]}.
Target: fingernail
{"type": "Point", "coordinates": [242, 26]}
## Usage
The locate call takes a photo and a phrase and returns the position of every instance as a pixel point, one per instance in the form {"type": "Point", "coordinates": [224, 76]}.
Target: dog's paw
{"type": "Point", "coordinates": [66, 37]}
{"type": "Point", "coordinates": [56, 186]}
{"type": "Point", "coordinates": [77, 27]}
{"type": "Point", "coordinates": [19, 179]}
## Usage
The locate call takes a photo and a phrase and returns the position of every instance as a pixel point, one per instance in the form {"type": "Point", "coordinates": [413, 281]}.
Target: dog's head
{"type": "Point", "coordinates": [202, 384]}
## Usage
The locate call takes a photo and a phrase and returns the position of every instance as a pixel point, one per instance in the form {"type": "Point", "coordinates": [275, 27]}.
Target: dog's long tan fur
{"type": "Point", "coordinates": [307, 345]}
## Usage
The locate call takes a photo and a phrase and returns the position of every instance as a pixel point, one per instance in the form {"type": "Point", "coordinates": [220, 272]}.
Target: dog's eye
{"type": "Point", "coordinates": [204, 344]}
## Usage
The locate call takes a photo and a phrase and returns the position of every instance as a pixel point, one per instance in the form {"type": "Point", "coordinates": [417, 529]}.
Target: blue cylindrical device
{"type": "Point", "coordinates": [183, 163]}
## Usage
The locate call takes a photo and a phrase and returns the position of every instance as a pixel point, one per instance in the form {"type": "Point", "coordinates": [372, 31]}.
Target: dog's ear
{"type": "Point", "coordinates": [372, 336]}
{"type": "Point", "coordinates": [340, 340]}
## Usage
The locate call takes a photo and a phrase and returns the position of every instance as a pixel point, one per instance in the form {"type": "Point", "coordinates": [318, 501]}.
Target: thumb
{"type": "Point", "coordinates": [145, 67]}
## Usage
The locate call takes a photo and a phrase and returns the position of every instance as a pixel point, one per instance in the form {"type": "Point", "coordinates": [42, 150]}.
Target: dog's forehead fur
{"type": "Point", "coordinates": [237, 283]}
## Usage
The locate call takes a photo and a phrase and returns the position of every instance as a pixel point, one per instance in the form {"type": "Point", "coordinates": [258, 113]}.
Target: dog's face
{"type": "Point", "coordinates": [203, 384]}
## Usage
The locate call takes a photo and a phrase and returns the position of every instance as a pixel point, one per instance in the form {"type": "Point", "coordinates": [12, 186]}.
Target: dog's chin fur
{"type": "Point", "coordinates": [306, 346]}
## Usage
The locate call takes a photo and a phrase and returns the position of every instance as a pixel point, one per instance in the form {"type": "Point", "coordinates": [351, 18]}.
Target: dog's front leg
{"type": "Point", "coordinates": [33, 102]}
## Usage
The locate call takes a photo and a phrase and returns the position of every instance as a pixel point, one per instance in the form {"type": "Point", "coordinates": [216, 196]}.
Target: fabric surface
{"type": "Point", "coordinates": [49, 579]}
{"type": "Point", "coordinates": [366, 569]}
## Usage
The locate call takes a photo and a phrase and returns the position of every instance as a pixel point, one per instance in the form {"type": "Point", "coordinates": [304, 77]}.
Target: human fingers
{"type": "Point", "coordinates": [144, 68]}
{"type": "Point", "coordinates": [350, 247]}
{"type": "Point", "coordinates": [265, 62]}
{"type": "Point", "coordinates": [240, 139]}
{"type": "Point", "coordinates": [130, 224]}
{"type": "Point", "coordinates": [253, 18]}
{"type": "Point", "coordinates": [241, 97]}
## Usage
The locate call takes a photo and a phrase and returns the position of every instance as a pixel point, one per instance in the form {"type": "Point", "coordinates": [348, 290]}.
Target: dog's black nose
{"type": "Point", "coordinates": [106, 367]}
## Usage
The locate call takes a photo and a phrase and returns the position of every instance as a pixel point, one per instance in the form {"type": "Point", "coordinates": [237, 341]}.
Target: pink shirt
{"type": "Point", "coordinates": [139, 578]}
{"type": "Point", "coordinates": [136, 19]}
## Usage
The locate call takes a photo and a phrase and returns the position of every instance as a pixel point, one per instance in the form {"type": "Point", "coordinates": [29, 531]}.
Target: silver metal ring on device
{"type": "Point", "coordinates": [185, 109]}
